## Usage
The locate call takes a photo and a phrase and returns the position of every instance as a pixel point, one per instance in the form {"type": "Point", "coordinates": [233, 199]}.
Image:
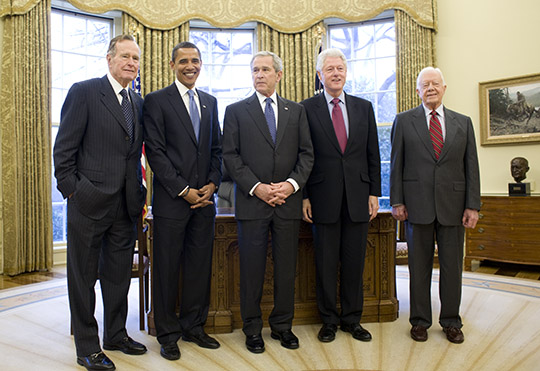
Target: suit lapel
{"type": "Point", "coordinates": [110, 101]}
{"type": "Point", "coordinates": [451, 132]}
{"type": "Point", "coordinates": [326, 122]}
{"type": "Point", "coordinates": [179, 107]}
{"type": "Point", "coordinates": [254, 109]}
{"type": "Point", "coordinates": [283, 119]}
{"type": "Point", "coordinates": [205, 117]}
{"type": "Point", "coordinates": [420, 126]}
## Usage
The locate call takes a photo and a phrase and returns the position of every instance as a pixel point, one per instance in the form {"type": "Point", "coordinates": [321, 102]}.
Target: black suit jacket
{"type": "Point", "coordinates": [93, 157]}
{"type": "Point", "coordinates": [173, 152]}
{"type": "Point", "coordinates": [357, 171]}
{"type": "Point", "coordinates": [428, 187]}
{"type": "Point", "coordinates": [250, 155]}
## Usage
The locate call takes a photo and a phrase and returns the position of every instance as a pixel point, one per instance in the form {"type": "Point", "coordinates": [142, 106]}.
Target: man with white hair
{"type": "Point", "coordinates": [435, 191]}
{"type": "Point", "coordinates": [341, 195]}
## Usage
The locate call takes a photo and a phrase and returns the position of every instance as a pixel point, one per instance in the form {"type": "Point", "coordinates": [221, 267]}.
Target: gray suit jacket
{"type": "Point", "coordinates": [250, 155]}
{"type": "Point", "coordinates": [428, 187]}
{"type": "Point", "coordinates": [93, 157]}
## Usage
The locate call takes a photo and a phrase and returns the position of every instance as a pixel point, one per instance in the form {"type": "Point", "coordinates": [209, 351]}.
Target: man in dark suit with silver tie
{"type": "Point", "coordinates": [269, 165]}
{"type": "Point", "coordinates": [183, 146]}
{"type": "Point", "coordinates": [341, 195]}
{"type": "Point", "coordinates": [435, 190]}
{"type": "Point", "coordinates": [97, 166]}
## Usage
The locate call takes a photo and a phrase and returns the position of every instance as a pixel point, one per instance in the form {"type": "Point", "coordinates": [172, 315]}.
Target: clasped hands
{"type": "Point", "coordinates": [200, 197]}
{"type": "Point", "coordinates": [274, 193]}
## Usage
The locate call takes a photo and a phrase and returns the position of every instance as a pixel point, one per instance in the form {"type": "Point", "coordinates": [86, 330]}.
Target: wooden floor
{"type": "Point", "coordinates": [499, 310]}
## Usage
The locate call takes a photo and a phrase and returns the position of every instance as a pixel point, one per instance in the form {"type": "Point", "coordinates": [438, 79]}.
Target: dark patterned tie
{"type": "Point", "coordinates": [339, 124]}
{"type": "Point", "coordinates": [435, 130]}
{"type": "Point", "coordinates": [270, 118]}
{"type": "Point", "coordinates": [128, 113]}
{"type": "Point", "coordinates": [194, 114]}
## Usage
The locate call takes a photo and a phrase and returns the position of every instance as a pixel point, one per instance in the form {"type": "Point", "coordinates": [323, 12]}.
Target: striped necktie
{"type": "Point", "coordinates": [435, 130]}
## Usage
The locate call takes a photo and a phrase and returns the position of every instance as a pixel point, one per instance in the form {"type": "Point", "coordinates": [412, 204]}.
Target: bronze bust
{"type": "Point", "coordinates": [519, 167]}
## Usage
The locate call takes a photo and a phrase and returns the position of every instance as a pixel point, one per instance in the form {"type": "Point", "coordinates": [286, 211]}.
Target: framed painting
{"type": "Point", "coordinates": [510, 110]}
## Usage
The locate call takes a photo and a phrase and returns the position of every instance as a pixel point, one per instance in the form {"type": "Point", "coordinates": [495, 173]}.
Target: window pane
{"type": "Point", "coordinates": [386, 107]}
{"type": "Point", "coordinates": [385, 37]}
{"type": "Point", "coordinates": [362, 75]}
{"type": "Point", "coordinates": [99, 34]}
{"type": "Point", "coordinates": [385, 142]}
{"type": "Point", "coordinates": [74, 34]}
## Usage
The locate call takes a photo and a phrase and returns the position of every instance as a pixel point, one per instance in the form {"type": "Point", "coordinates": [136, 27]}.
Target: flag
{"type": "Point", "coordinates": [136, 86]}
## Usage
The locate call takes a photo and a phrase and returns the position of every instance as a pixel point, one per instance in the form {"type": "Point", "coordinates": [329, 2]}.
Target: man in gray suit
{"type": "Point", "coordinates": [269, 165]}
{"type": "Point", "coordinates": [97, 165]}
{"type": "Point", "coordinates": [435, 190]}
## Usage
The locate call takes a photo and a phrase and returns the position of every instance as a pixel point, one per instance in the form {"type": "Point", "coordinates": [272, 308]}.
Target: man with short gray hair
{"type": "Point", "coordinates": [435, 191]}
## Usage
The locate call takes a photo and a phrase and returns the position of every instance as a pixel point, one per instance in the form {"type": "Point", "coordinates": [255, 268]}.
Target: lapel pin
{"type": "Point", "coordinates": [203, 106]}
{"type": "Point", "coordinates": [286, 108]}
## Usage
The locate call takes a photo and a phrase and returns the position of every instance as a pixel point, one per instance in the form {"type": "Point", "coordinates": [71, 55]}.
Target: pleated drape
{"type": "Point", "coordinates": [25, 124]}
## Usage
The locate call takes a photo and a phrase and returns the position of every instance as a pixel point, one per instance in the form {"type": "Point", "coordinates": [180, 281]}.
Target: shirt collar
{"type": "Point", "coordinates": [329, 97]}
{"type": "Point", "coordinates": [439, 110]}
{"type": "Point", "coordinates": [115, 84]}
{"type": "Point", "coordinates": [182, 89]}
{"type": "Point", "coordinates": [263, 97]}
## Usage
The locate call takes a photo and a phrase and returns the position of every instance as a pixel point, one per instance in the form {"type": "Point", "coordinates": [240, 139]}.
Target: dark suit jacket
{"type": "Point", "coordinates": [173, 152]}
{"type": "Point", "coordinates": [93, 157]}
{"type": "Point", "coordinates": [250, 155]}
{"type": "Point", "coordinates": [357, 171]}
{"type": "Point", "coordinates": [428, 187]}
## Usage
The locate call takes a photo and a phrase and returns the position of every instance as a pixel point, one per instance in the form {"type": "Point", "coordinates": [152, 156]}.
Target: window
{"type": "Point", "coordinates": [226, 56]}
{"type": "Point", "coordinates": [78, 47]}
{"type": "Point", "coordinates": [370, 49]}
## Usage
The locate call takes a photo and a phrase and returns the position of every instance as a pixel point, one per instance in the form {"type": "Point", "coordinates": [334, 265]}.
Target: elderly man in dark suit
{"type": "Point", "coordinates": [183, 146]}
{"type": "Point", "coordinates": [97, 165]}
{"type": "Point", "coordinates": [268, 153]}
{"type": "Point", "coordinates": [435, 190]}
{"type": "Point", "coordinates": [341, 195]}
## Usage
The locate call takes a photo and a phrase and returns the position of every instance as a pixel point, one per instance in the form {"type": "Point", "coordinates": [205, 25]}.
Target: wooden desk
{"type": "Point", "coordinates": [507, 231]}
{"type": "Point", "coordinates": [380, 301]}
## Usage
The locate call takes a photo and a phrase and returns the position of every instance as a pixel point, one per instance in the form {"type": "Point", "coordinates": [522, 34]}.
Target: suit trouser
{"type": "Point", "coordinates": [253, 245]}
{"type": "Point", "coordinates": [421, 247]}
{"type": "Point", "coordinates": [182, 245]}
{"type": "Point", "coordinates": [104, 245]}
{"type": "Point", "coordinates": [341, 242]}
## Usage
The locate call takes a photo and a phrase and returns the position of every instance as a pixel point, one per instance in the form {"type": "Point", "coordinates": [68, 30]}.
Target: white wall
{"type": "Point", "coordinates": [484, 40]}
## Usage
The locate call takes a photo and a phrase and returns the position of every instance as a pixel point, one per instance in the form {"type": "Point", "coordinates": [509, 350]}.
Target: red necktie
{"type": "Point", "coordinates": [435, 130]}
{"type": "Point", "coordinates": [339, 124]}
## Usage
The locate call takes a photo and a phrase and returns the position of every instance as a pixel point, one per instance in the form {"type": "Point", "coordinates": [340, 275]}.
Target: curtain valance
{"type": "Point", "coordinates": [282, 15]}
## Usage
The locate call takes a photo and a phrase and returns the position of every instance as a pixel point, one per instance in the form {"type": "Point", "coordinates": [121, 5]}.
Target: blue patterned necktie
{"type": "Point", "coordinates": [194, 113]}
{"type": "Point", "coordinates": [128, 113]}
{"type": "Point", "coordinates": [270, 118]}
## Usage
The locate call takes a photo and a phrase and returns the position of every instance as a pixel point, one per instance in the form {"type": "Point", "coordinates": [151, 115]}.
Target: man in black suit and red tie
{"type": "Point", "coordinates": [267, 152]}
{"type": "Point", "coordinates": [341, 195]}
{"type": "Point", "coordinates": [183, 146]}
{"type": "Point", "coordinates": [97, 166]}
{"type": "Point", "coordinates": [435, 190]}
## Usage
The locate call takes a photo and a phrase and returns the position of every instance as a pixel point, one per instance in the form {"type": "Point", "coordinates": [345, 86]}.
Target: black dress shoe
{"type": "Point", "coordinates": [327, 333]}
{"type": "Point", "coordinates": [126, 345]}
{"type": "Point", "coordinates": [454, 335]}
{"type": "Point", "coordinates": [201, 339]}
{"type": "Point", "coordinates": [357, 331]}
{"type": "Point", "coordinates": [170, 351]}
{"type": "Point", "coordinates": [287, 338]}
{"type": "Point", "coordinates": [255, 343]}
{"type": "Point", "coordinates": [96, 361]}
{"type": "Point", "coordinates": [419, 333]}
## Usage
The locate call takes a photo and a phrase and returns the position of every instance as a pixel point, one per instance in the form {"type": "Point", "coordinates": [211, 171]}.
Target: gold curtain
{"type": "Point", "coordinates": [281, 15]}
{"type": "Point", "coordinates": [415, 50]}
{"type": "Point", "coordinates": [25, 125]}
{"type": "Point", "coordinates": [299, 53]}
{"type": "Point", "coordinates": [156, 47]}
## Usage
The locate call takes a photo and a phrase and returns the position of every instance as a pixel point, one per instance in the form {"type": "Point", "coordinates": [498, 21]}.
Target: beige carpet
{"type": "Point", "coordinates": [501, 325]}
